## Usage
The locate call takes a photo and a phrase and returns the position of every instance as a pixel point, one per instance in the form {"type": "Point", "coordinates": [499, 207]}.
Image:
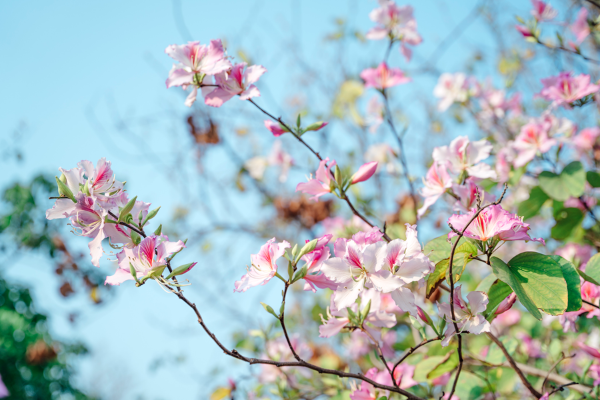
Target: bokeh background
{"type": "Point", "coordinates": [85, 80]}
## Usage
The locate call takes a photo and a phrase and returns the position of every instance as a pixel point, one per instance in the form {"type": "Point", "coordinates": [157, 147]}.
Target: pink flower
{"type": "Point", "coordinates": [450, 89]}
{"type": "Point", "coordinates": [403, 375]}
{"type": "Point", "coordinates": [122, 234]}
{"type": "Point", "coordinates": [264, 265]}
{"type": "Point", "coordinates": [595, 374]}
{"type": "Point", "coordinates": [523, 30]}
{"type": "Point", "coordinates": [586, 139]}
{"type": "Point", "coordinates": [3, 390]}
{"type": "Point", "coordinates": [365, 172]}
{"type": "Point", "coordinates": [467, 317]}
{"type": "Point", "coordinates": [239, 81]}
{"type": "Point", "coordinates": [591, 294]}
{"type": "Point", "coordinates": [530, 346]}
{"type": "Point", "coordinates": [504, 160]}
{"type": "Point", "coordinates": [88, 219]}
{"type": "Point", "coordinates": [323, 182]}
{"type": "Point", "coordinates": [276, 128]}
{"type": "Point", "coordinates": [279, 157]}
{"type": "Point", "coordinates": [542, 11]}
{"type": "Point", "coordinates": [580, 27]}
{"type": "Point", "coordinates": [564, 88]}
{"type": "Point", "coordinates": [279, 350]}
{"type": "Point", "coordinates": [465, 156]}
{"type": "Point", "coordinates": [148, 258]}
{"type": "Point", "coordinates": [492, 222]}
{"type": "Point", "coordinates": [383, 78]}
{"type": "Point", "coordinates": [578, 254]}
{"type": "Point", "coordinates": [195, 59]}
{"type": "Point", "coordinates": [589, 350]}
{"type": "Point", "coordinates": [532, 139]}
{"type": "Point", "coordinates": [467, 194]}
{"type": "Point", "coordinates": [368, 391]}
{"type": "Point", "coordinates": [375, 112]}
{"type": "Point", "coordinates": [506, 304]}
{"type": "Point", "coordinates": [437, 182]}
{"type": "Point", "coordinates": [396, 23]}
{"type": "Point", "coordinates": [314, 277]}
{"type": "Point", "coordinates": [576, 202]}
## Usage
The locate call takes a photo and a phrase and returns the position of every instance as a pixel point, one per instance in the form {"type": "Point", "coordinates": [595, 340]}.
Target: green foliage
{"type": "Point", "coordinates": [537, 280]}
{"type": "Point", "coordinates": [531, 207]}
{"type": "Point", "coordinates": [569, 183]}
{"type": "Point", "coordinates": [593, 178]}
{"type": "Point", "coordinates": [498, 292]}
{"type": "Point", "coordinates": [573, 283]}
{"type": "Point", "coordinates": [567, 220]}
{"type": "Point", "coordinates": [439, 250]}
{"type": "Point", "coordinates": [592, 270]}
{"type": "Point", "coordinates": [34, 365]}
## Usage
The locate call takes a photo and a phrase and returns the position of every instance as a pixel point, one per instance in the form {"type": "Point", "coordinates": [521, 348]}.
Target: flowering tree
{"type": "Point", "coordinates": [395, 321]}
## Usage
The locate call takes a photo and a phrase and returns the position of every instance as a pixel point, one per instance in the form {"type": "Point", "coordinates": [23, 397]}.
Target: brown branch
{"type": "Point", "coordinates": [411, 351]}
{"type": "Point", "coordinates": [562, 358]}
{"type": "Point", "coordinates": [514, 366]}
{"type": "Point", "coordinates": [563, 48]}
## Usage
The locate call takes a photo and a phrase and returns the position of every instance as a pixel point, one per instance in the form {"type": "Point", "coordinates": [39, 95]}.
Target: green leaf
{"type": "Point", "coordinates": [530, 207]}
{"type": "Point", "coordinates": [269, 309]}
{"type": "Point", "coordinates": [567, 220]}
{"type": "Point", "coordinates": [593, 178]}
{"type": "Point", "coordinates": [570, 182]}
{"type": "Point", "coordinates": [587, 278]}
{"type": "Point", "coordinates": [592, 269]}
{"type": "Point", "coordinates": [495, 354]}
{"type": "Point", "coordinates": [469, 386]}
{"type": "Point", "coordinates": [462, 256]}
{"type": "Point", "coordinates": [573, 283]}
{"type": "Point", "coordinates": [439, 248]}
{"type": "Point", "coordinates": [537, 280]}
{"type": "Point", "coordinates": [127, 209]}
{"type": "Point", "coordinates": [498, 292]}
{"type": "Point", "coordinates": [447, 365]}
{"type": "Point", "coordinates": [486, 283]}
{"type": "Point", "coordinates": [426, 366]}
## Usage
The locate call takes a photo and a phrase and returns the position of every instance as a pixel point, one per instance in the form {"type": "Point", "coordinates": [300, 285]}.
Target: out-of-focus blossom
{"type": "Point", "coordinates": [506, 319]}
{"type": "Point", "coordinates": [523, 30]}
{"type": "Point", "coordinates": [466, 316]}
{"type": "Point", "coordinates": [321, 184]}
{"type": "Point", "coordinates": [403, 375]}
{"type": "Point", "coordinates": [530, 346]}
{"type": "Point", "coordinates": [543, 11]}
{"type": "Point", "coordinates": [385, 157]}
{"type": "Point", "coordinates": [396, 23]}
{"type": "Point", "coordinates": [340, 227]}
{"type": "Point", "coordinates": [450, 89]}
{"type": "Point", "coordinates": [364, 173]}
{"type": "Point", "coordinates": [589, 350]}
{"type": "Point", "coordinates": [383, 77]}
{"type": "Point", "coordinates": [436, 183]}
{"type": "Point", "coordinates": [591, 294]}
{"type": "Point", "coordinates": [582, 203]}
{"type": "Point", "coordinates": [578, 254]}
{"type": "Point", "coordinates": [276, 128]}
{"type": "Point", "coordinates": [504, 160]}
{"type": "Point", "coordinates": [239, 81]}
{"type": "Point", "coordinates": [264, 265]}
{"type": "Point", "coordinates": [375, 113]}
{"type": "Point", "coordinates": [585, 140]}
{"type": "Point", "coordinates": [256, 166]}
{"type": "Point", "coordinates": [492, 222]}
{"type": "Point", "coordinates": [279, 157]}
{"type": "Point", "coordinates": [447, 397]}
{"type": "Point", "coordinates": [567, 320]}
{"type": "Point", "coordinates": [495, 105]}
{"type": "Point", "coordinates": [580, 27]}
{"type": "Point", "coordinates": [368, 391]}
{"type": "Point", "coordinates": [149, 257]}
{"type": "Point", "coordinates": [595, 374]}
{"type": "Point", "coordinates": [465, 156]}
{"type": "Point", "coordinates": [467, 194]}
{"type": "Point", "coordinates": [532, 139]}
{"type": "Point", "coordinates": [565, 88]}
{"type": "Point", "coordinates": [441, 380]}
{"type": "Point", "coordinates": [3, 390]}
{"type": "Point", "coordinates": [279, 350]}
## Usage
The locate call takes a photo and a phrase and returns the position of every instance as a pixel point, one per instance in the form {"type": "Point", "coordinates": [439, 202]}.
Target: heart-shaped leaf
{"type": "Point", "coordinates": [570, 182]}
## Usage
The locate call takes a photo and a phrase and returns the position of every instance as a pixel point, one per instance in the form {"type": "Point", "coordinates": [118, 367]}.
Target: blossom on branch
{"type": "Point", "coordinates": [464, 156]}
{"type": "Point", "coordinates": [321, 184]}
{"type": "Point", "coordinates": [264, 265]}
{"type": "Point", "coordinates": [239, 81]}
{"type": "Point", "coordinates": [383, 77]}
{"type": "Point", "coordinates": [532, 139]}
{"type": "Point", "coordinates": [565, 88]}
{"type": "Point", "coordinates": [466, 316]}
{"type": "Point", "coordinates": [437, 182]}
{"type": "Point", "coordinates": [543, 11]}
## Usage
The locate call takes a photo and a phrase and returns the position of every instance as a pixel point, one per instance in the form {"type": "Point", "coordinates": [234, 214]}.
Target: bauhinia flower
{"type": "Point", "coordinates": [88, 220]}
{"type": "Point", "coordinates": [195, 62]}
{"type": "Point", "coordinates": [396, 23]}
{"type": "Point", "coordinates": [464, 156]}
{"type": "Point", "coordinates": [368, 391]}
{"type": "Point", "coordinates": [450, 89]}
{"type": "Point", "coordinates": [492, 223]}
{"type": "Point", "coordinates": [532, 139]}
{"type": "Point", "coordinates": [467, 195]}
{"type": "Point", "coordinates": [383, 77]}
{"type": "Point", "coordinates": [468, 317]}
{"type": "Point", "coordinates": [370, 303]}
{"type": "Point", "coordinates": [148, 260]}
{"type": "Point", "coordinates": [585, 140]}
{"type": "Point", "coordinates": [436, 182]}
{"type": "Point", "coordinates": [314, 278]}
{"type": "Point", "coordinates": [542, 11]}
{"type": "Point", "coordinates": [276, 128]}
{"type": "Point", "coordinates": [580, 27]}
{"type": "Point", "coordinates": [321, 184]}
{"type": "Point", "coordinates": [239, 81]}
{"type": "Point", "coordinates": [565, 88]}
{"type": "Point", "coordinates": [578, 254]}
{"type": "Point", "coordinates": [375, 112]}
{"type": "Point", "coordinates": [264, 265]}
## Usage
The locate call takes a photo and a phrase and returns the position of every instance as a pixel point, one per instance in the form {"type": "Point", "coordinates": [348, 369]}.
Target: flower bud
{"type": "Point", "coordinates": [365, 172]}
{"type": "Point", "coordinates": [507, 303]}
{"type": "Point", "coordinates": [424, 316]}
{"type": "Point", "coordinates": [64, 190]}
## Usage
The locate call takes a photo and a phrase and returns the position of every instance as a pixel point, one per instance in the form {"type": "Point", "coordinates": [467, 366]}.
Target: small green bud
{"type": "Point", "coordinates": [300, 274]}
{"type": "Point", "coordinates": [133, 273]}
{"type": "Point", "coordinates": [181, 270]}
{"type": "Point", "coordinates": [307, 248]}
{"type": "Point", "coordinates": [127, 209]}
{"type": "Point", "coordinates": [290, 270]}
{"type": "Point", "coordinates": [316, 126]}
{"type": "Point", "coordinates": [295, 250]}
{"type": "Point", "coordinates": [338, 174]}
{"type": "Point", "coordinates": [269, 309]}
{"type": "Point", "coordinates": [299, 120]}
{"type": "Point", "coordinates": [64, 190]}
{"type": "Point", "coordinates": [158, 230]}
{"type": "Point", "coordinates": [150, 215]}
{"type": "Point", "coordinates": [135, 238]}
{"type": "Point", "coordinates": [282, 308]}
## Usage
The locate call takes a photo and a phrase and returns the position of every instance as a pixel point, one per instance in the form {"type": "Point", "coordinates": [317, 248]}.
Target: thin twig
{"type": "Point", "coordinates": [562, 358]}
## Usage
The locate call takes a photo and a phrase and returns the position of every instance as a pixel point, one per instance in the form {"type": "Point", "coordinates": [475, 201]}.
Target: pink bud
{"type": "Point", "coordinates": [590, 350]}
{"type": "Point", "coordinates": [275, 128]}
{"type": "Point", "coordinates": [507, 303]}
{"type": "Point", "coordinates": [523, 30]}
{"type": "Point", "coordinates": [424, 317]}
{"type": "Point", "coordinates": [364, 172]}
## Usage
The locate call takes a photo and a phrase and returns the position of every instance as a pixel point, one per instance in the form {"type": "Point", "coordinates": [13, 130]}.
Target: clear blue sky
{"type": "Point", "coordinates": [70, 66]}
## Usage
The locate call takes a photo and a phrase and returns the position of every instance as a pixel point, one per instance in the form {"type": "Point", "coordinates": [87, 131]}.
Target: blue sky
{"type": "Point", "coordinates": [70, 67]}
